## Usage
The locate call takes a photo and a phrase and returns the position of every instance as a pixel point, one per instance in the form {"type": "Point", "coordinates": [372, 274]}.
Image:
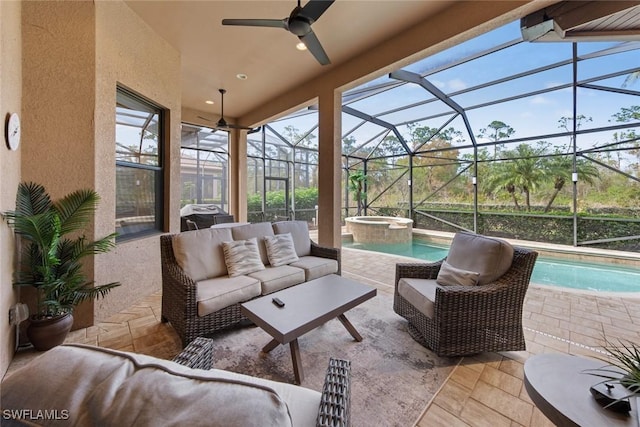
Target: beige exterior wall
{"type": "Point", "coordinates": [62, 62]}
{"type": "Point", "coordinates": [129, 53]}
{"type": "Point", "coordinates": [58, 84]}
{"type": "Point", "coordinates": [10, 102]}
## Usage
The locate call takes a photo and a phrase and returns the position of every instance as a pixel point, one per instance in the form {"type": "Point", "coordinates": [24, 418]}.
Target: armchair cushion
{"type": "Point", "coordinates": [280, 249]}
{"type": "Point", "coordinates": [449, 275]}
{"type": "Point", "coordinates": [258, 230]}
{"type": "Point", "coordinates": [488, 256]}
{"type": "Point", "coordinates": [299, 232]}
{"type": "Point", "coordinates": [199, 253]}
{"type": "Point", "coordinates": [242, 257]}
{"type": "Point", "coordinates": [421, 293]}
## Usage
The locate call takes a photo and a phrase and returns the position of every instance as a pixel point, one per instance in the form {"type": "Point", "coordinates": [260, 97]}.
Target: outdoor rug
{"type": "Point", "coordinates": [392, 377]}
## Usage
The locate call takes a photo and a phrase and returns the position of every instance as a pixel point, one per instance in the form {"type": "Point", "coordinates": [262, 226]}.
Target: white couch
{"type": "Point", "coordinates": [75, 385]}
{"type": "Point", "coordinates": [199, 296]}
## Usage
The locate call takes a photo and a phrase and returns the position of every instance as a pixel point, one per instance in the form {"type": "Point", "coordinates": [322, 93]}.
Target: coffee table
{"type": "Point", "coordinates": [307, 306]}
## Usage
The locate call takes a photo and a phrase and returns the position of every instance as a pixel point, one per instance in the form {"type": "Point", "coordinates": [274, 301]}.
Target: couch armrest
{"type": "Point", "coordinates": [335, 403]}
{"type": "Point", "coordinates": [327, 252]}
{"type": "Point", "coordinates": [197, 355]}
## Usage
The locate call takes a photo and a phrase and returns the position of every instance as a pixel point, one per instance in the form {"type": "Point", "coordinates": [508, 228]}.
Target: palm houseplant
{"type": "Point", "coordinates": [52, 247]}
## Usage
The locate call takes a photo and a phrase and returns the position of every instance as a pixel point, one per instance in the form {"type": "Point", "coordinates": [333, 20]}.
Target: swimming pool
{"type": "Point", "coordinates": [547, 271]}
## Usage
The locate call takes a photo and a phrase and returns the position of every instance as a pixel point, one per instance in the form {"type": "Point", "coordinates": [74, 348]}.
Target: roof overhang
{"type": "Point", "coordinates": [583, 21]}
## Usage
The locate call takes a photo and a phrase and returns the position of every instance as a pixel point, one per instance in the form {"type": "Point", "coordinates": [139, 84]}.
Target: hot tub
{"type": "Point", "coordinates": [380, 229]}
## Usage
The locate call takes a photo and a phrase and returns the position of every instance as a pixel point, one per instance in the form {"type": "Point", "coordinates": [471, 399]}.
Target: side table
{"type": "Point", "coordinates": [559, 387]}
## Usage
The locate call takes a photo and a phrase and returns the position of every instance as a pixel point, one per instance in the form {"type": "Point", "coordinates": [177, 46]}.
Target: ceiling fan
{"type": "Point", "coordinates": [222, 124]}
{"type": "Point", "coordinates": [298, 23]}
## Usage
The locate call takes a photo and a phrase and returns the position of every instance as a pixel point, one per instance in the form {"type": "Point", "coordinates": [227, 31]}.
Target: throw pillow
{"type": "Point", "coordinates": [280, 249]}
{"type": "Point", "coordinates": [450, 275]}
{"type": "Point", "coordinates": [242, 257]}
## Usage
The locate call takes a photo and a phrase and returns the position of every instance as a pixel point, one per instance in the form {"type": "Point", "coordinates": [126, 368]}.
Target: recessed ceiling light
{"type": "Point", "coordinates": [301, 46]}
{"type": "Point", "coordinates": [208, 101]}
{"type": "Point", "coordinates": [241, 76]}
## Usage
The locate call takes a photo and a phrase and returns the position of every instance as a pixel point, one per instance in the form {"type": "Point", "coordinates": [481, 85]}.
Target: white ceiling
{"type": "Point", "coordinates": [212, 54]}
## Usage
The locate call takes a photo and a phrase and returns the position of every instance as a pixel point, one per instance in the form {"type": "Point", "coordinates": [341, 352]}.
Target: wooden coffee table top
{"type": "Point", "coordinates": [559, 387]}
{"type": "Point", "coordinates": [307, 306]}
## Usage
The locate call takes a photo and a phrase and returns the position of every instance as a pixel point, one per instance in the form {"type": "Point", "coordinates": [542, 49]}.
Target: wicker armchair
{"type": "Point", "coordinates": [469, 319]}
{"type": "Point", "coordinates": [335, 403]}
{"type": "Point", "coordinates": [179, 296]}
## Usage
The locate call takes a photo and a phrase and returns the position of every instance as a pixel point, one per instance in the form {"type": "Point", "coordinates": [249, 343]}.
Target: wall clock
{"type": "Point", "coordinates": [13, 131]}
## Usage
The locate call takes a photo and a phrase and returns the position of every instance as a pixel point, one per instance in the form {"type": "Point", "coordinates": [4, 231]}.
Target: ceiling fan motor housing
{"type": "Point", "coordinates": [298, 24]}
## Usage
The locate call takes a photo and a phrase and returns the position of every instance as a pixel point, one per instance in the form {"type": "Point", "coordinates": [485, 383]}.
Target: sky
{"type": "Point", "coordinates": [534, 115]}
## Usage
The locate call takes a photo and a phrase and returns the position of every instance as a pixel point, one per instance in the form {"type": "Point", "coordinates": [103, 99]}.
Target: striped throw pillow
{"type": "Point", "coordinates": [280, 249]}
{"type": "Point", "coordinates": [242, 257]}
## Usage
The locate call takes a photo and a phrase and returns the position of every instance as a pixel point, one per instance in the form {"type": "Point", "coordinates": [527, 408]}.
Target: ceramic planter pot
{"type": "Point", "coordinates": [45, 334]}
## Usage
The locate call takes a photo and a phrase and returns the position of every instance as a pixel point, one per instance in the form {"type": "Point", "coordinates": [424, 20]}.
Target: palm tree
{"type": "Point", "coordinates": [523, 171]}
{"type": "Point", "coordinates": [356, 185]}
{"type": "Point", "coordinates": [561, 169]}
{"type": "Point", "coordinates": [51, 261]}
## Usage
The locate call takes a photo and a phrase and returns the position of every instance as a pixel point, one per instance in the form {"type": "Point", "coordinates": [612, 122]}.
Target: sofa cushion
{"type": "Point", "coordinates": [220, 292]}
{"type": "Point", "coordinates": [276, 278]}
{"type": "Point", "coordinates": [488, 256]}
{"type": "Point", "coordinates": [449, 275]}
{"type": "Point", "coordinates": [242, 256]}
{"type": "Point", "coordinates": [199, 253]}
{"type": "Point", "coordinates": [303, 403]}
{"type": "Point", "coordinates": [421, 293]}
{"type": "Point", "coordinates": [258, 230]}
{"type": "Point", "coordinates": [299, 231]}
{"type": "Point", "coordinates": [315, 267]}
{"type": "Point", "coordinates": [280, 249]}
{"type": "Point", "coordinates": [108, 387]}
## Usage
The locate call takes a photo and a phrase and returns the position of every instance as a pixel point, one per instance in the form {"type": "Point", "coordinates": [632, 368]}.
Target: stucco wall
{"type": "Point", "coordinates": [58, 102]}
{"type": "Point", "coordinates": [129, 53]}
{"type": "Point", "coordinates": [10, 101]}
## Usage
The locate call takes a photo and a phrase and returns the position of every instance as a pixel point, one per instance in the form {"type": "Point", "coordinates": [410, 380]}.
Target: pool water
{"type": "Point", "coordinates": [547, 271]}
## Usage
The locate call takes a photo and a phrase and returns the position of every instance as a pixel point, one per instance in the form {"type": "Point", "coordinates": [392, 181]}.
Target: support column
{"type": "Point", "coordinates": [238, 174]}
{"type": "Point", "coordinates": [329, 171]}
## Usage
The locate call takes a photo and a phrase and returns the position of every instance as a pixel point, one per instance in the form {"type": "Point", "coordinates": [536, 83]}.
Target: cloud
{"type": "Point", "coordinates": [439, 84]}
{"type": "Point", "coordinates": [540, 100]}
{"type": "Point", "coordinates": [456, 84]}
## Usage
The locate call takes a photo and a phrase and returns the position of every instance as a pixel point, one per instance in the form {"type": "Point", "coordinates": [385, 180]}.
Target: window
{"type": "Point", "coordinates": [139, 140]}
{"type": "Point", "coordinates": [204, 167]}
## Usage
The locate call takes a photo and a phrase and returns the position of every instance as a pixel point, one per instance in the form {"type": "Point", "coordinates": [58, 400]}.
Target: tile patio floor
{"type": "Point", "coordinates": [484, 390]}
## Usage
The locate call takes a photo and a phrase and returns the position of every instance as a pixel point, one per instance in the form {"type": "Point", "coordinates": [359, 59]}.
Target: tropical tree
{"type": "Point", "coordinates": [496, 131]}
{"type": "Point", "coordinates": [523, 170]}
{"type": "Point", "coordinates": [561, 168]}
{"type": "Point", "coordinates": [356, 186]}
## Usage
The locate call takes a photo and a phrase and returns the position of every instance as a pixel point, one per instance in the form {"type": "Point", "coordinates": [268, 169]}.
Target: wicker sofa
{"type": "Point", "coordinates": [454, 315]}
{"type": "Point", "coordinates": [198, 295]}
{"type": "Point", "coordinates": [85, 385]}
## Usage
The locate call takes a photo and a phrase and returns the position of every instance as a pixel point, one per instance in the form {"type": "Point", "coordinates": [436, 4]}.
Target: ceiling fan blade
{"type": "Point", "coordinates": [315, 8]}
{"type": "Point", "coordinates": [204, 118]}
{"type": "Point", "coordinates": [275, 23]}
{"type": "Point", "coordinates": [313, 45]}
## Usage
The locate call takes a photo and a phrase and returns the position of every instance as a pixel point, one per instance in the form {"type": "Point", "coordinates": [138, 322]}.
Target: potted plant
{"type": "Point", "coordinates": [52, 248]}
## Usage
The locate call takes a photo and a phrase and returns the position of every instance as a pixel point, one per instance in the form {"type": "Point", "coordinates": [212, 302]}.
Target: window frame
{"type": "Point", "coordinates": [135, 100]}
